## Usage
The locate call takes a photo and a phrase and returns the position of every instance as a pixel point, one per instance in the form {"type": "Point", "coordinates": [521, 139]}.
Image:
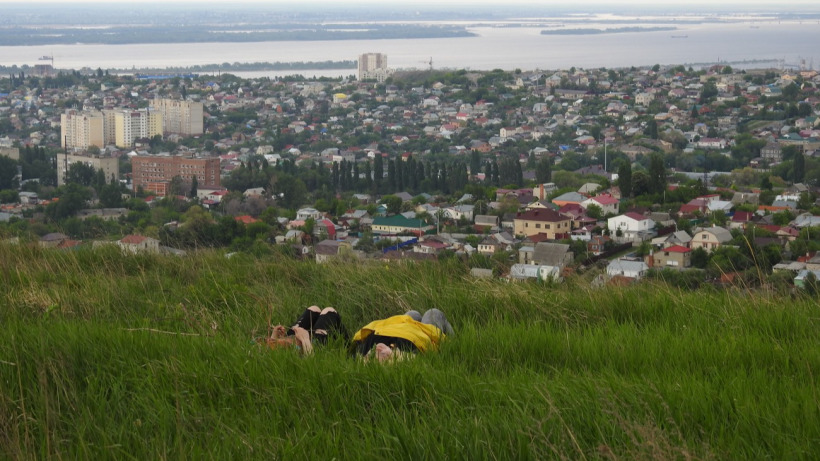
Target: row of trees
{"type": "Point", "coordinates": [400, 175]}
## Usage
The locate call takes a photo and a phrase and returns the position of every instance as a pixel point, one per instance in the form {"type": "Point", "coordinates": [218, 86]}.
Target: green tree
{"type": "Point", "coordinates": [657, 174]}
{"type": "Point", "coordinates": [8, 171]}
{"type": "Point", "coordinates": [543, 171]}
{"type": "Point", "coordinates": [366, 242]}
{"type": "Point", "coordinates": [9, 196]}
{"type": "Point", "coordinates": [790, 92]}
{"type": "Point", "coordinates": [700, 258]}
{"type": "Point", "coordinates": [176, 186]}
{"type": "Point", "coordinates": [798, 168]}
{"type": "Point", "coordinates": [652, 129]}
{"type": "Point", "coordinates": [625, 179]}
{"type": "Point", "coordinates": [708, 91]}
{"type": "Point", "coordinates": [73, 198]}
{"type": "Point", "coordinates": [82, 174]}
{"type": "Point", "coordinates": [393, 204]}
{"type": "Point", "coordinates": [291, 191]}
{"type": "Point", "coordinates": [594, 211]}
{"type": "Point", "coordinates": [475, 162]}
{"type": "Point", "coordinates": [110, 196]}
{"type": "Point", "coordinates": [789, 152]}
{"type": "Point", "coordinates": [378, 172]}
{"type": "Point", "coordinates": [640, 183]}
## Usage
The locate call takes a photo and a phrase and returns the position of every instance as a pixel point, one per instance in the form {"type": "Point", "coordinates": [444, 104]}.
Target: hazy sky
{"type": "Point", "coordinates": [562, 3]}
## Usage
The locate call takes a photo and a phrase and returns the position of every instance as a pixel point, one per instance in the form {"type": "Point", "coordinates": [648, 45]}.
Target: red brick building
{"type": "Point", "coordinates": [153, 173]}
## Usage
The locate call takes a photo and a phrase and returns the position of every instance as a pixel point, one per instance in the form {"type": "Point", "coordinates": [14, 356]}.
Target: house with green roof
{"type": "Point", "coordinates": [398, 224]}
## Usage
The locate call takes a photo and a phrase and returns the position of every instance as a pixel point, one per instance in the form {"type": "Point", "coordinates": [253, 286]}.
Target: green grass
{"type": "Point", "coordinates": [147, 357]}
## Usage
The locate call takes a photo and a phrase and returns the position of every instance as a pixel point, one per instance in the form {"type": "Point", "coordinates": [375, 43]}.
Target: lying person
{"type": "Point", "coordinates": [314, 325]}
{"type": "Point", "coordinates": [395, 337]}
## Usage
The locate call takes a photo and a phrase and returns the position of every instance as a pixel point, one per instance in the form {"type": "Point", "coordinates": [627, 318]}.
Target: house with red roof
{"type": "Point", "coordinates": [138, 244]}
{"type": "Point", "coordinates": [596, 244]}
{"type": "Point", "coordinates": [430, 246]}
{"type": "Point", "coordinates": [607, 203]}
{"type": "Point", "coordinates": [741, 219]}
{"type": "Point", "coordinates": [327, 226]}
{"type": "Point", "coordinates": [675, 257]}
{"type": "Point", "coordinates": [698, 204]}
{"type": "Point", "coordinates": [246, 219]}
{"type": "Point", "coordinates": [542, 220]}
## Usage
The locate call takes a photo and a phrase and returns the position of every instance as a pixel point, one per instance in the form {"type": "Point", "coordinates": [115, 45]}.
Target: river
{"type": "Point", "coordinates": [506, 48]}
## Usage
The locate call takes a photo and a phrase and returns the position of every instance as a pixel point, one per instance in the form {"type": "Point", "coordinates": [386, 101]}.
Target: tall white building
{"type": "Point", "coordinates": [180, 117]}
{"type": "Point", "coordinates": [373, 66]}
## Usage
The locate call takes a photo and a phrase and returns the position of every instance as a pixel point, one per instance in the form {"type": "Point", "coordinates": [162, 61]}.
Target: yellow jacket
{"type": "Point", "coordinates": [423, 335]}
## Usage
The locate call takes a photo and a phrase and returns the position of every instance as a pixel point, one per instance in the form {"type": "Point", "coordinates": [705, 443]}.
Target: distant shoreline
{"type": "Point", "coordinates": [616, 30]}
{"type": "Point", "coordinates": [138, 35]}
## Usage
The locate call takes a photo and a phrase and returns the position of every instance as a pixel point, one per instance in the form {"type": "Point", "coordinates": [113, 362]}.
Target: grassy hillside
{"type": "Point", "coordinates": [147, 357]}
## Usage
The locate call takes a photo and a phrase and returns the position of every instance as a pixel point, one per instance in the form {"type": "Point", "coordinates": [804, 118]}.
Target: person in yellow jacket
{"type": "Point", "coordinates": [394, 337]}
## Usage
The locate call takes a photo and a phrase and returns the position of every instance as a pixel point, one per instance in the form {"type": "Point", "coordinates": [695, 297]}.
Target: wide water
{"type": "Point", "coordinates": [495, 47]}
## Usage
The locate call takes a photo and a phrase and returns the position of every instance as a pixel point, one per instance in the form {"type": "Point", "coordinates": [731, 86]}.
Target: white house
{"type": "Point", "coordinates": [205, 193]}
{"type": "Point", "coordinates": [303, 214]}
{"type": "Point", "coordinates": [627, 268]}
{"type": "Point", "coordinates": [630, 222]}
{"type": "Point", "coordinates": [720, 205]}
{"type": "Point", "coordinates": [711, 143]}
{"type": "Point", "coordinates": [530, 271]}
{"type": "Point", "coordinates": [138, 244]}
{"type": "Point", "coordinates": [607, 203]}
{"type": "Point", "coordinates": [631, 227]}
{"type": "Point", "coordinates": [460, 211]}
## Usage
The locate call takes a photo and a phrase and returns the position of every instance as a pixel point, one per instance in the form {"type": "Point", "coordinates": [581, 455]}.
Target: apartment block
{"type": "Point", "coordinates": [180, 117]}
{"type": "Point", "coordinates": [109, 165]}
{"type": "Point", "coordinates": [130, 125]}
{"type": "Point", "coordinates": [373, 66]}
{"type": "Point", "coordinates": [81, 130]}
{"type": "Point", "coordinates": [153, 173]}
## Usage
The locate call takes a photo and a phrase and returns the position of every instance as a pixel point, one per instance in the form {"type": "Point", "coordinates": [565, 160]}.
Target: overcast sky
{"type": "Point", "coordinates": [563, 3]}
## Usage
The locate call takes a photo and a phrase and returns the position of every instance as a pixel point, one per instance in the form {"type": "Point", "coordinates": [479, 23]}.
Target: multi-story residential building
{"type": "Point", "coordinates": [180, 117]}
{"type": "Point", "coordinates": [542, 221]}
{"type": "Point", "coordinates": [643, 99]}
{"type": "Point", "coordinates": [373, 65]}
{"type": "Point", "coordinates": [109, 165]}
{"type": "Point", "coordinates": [80, 130]}
{"type": "Point", "coordinates": [153, 173]}
{"type": "Point", "coordinates": [772, 153]}
{"type": "Point", "coordinates": [129, 125]}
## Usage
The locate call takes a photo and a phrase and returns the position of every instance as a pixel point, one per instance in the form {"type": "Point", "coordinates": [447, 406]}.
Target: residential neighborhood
{"type": "Point", "coordinates": [623, 174]}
